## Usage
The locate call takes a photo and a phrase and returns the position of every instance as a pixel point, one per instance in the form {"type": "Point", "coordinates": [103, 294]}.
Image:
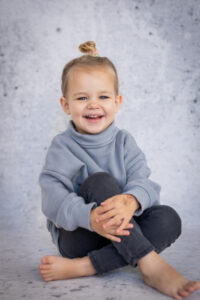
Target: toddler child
{"type": "Point", "coordinates": [102, 210]}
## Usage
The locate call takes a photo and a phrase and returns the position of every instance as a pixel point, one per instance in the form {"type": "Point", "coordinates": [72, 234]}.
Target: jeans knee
{"type": "Point", "coordinates": [101, 179]}
{"type": "Point", "coordinates": [98, 187]}
{"type": "Point", "coordinates": [171, 220]}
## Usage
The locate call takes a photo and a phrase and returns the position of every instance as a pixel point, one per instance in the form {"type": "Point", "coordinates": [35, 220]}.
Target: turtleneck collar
{"type": "Point", "coordinates": [93, 140]}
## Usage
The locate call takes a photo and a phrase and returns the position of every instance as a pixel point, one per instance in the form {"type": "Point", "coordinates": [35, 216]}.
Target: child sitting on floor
{"type": "Point", "coordinates": [102, 209]}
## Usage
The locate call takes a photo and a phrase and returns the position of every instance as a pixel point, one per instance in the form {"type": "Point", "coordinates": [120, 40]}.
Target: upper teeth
{"type": "Point", "coordinates": [93, 116]}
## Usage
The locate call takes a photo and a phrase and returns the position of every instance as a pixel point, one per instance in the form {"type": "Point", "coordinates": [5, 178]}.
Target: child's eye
{"type": "Point", "coordinates": [84, 98]}
{"type": "Point", "coordinates": [81, 98]}
{"type": "Point", "coordinates": [105, 97]}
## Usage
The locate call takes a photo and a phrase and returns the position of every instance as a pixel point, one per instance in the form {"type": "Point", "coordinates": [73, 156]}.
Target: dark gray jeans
{"type": "Point", "coordinates": [156, 229]}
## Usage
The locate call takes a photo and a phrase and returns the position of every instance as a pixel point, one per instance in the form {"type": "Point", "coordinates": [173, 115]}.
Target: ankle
{"type": "Point", "coordinates": [148, 263]}
{"type": "Point", "coordinates": [87, 267]}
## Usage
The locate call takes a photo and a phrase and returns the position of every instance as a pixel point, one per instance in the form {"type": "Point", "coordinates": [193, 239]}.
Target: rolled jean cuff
{"type": "Point", "coordinates": [114, 260]}
{"type": "Point", "coordinates": [120, 262]}
{"type": "Point", "coordinates": [95, 264]}
{"type": "Point", "coordinates": [133, 260]}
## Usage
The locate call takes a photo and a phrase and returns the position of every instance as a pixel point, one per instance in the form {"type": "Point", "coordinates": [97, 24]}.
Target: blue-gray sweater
{"type": "Point", "coordinates": [72, 157]}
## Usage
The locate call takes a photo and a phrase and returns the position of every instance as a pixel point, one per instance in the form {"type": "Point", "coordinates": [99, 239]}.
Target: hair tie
{"type": "Point", "coordinates": [93, 53]}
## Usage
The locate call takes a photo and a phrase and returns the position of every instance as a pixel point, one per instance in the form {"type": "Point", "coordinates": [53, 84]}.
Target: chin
{"type": "Point", "coordinates": [93, 131]}
{"type": "Point", "coordinates": [94, 128]}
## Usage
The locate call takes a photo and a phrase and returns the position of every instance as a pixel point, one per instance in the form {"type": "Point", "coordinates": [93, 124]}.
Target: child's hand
{"type": "Point", "coordinates": [110, 231]}
{"type": "Point", "coordinates": [117, 208]}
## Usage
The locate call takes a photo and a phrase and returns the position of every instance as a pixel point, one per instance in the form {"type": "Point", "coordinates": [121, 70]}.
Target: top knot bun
{"type": "Point", "coordinates": [91, 59]}
{"type": "Point", "coordinates": [88, 47]}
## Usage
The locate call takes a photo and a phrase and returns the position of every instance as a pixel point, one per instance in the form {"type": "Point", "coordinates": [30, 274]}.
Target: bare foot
{"type": "Point", "coordinates": [161, 276]}
{"type": "Point", "coordinates": [58, 268]}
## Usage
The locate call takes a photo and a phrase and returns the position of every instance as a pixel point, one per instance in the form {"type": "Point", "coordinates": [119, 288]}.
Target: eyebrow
{"type": "Point", "coordinates": [107, 92]}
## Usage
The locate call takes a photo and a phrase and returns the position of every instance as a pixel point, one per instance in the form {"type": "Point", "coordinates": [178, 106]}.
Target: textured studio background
{"type": "Point", "coordinates": [155, 46]}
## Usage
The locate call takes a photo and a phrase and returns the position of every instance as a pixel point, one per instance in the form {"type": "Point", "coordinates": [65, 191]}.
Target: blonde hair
{"type": "Point", "coordinates": [90, 60]}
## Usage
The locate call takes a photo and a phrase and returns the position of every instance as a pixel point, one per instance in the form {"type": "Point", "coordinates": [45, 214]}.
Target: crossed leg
{"type": "Point", "coordinates": [155, 271]}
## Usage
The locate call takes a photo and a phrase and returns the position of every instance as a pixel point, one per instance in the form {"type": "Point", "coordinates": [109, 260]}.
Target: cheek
{"type": "Point", "coordinates": [113, 109]}
{"type": "Point", "coordinates": [76, 110]}
{"type": "Point", "coordinates": [110, 107]}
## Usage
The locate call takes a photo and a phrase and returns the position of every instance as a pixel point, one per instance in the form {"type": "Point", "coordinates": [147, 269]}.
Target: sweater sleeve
{"type": "Point", "coordinates": [60, 203]}
{"type": "Point", "coordinates": [138, 184]}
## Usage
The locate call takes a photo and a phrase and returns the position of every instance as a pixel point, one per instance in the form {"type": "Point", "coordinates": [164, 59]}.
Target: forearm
{"type": "Point", "coordinates": [63, 207]}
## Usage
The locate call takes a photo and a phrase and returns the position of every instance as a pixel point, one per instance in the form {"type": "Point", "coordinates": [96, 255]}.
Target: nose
{"type": "Point", "coordinates": [93, 103]}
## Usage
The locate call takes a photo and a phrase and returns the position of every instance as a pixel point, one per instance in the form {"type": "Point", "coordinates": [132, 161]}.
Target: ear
{"type": "Point", "coordinates": [65, 105]}
{"type": "Point", "coordinates": [118, 101]}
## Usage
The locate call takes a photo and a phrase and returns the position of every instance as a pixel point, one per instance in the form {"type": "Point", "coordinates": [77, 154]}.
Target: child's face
{"type": "Point", "coordinates": [91, 99]}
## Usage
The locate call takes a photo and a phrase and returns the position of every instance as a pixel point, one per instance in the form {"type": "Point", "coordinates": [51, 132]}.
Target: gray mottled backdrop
{"type": "Point", "coordinates": [155, 46]}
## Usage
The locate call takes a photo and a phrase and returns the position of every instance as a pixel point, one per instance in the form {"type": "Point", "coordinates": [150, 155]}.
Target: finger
{"type": "Point", "coordinates": [115, 227]}
{"type": "Point", "coordinates": [117, 224]}
{"type": "Point", "coordinates": [113, 238]}
{"type": "Point", "coordinates": [122, 233]}
{"type": "Point", "coordinates": [109, 200]}
{"type": "Point", "coordinates": [111, 222]}
{"type": "Point", "coordinates": [99, 212]}
{"type": "Point", "coordinates": [107, 215]}
{"type": "Point", "coordinates": [104, 203]}
{"type": "Point", "coordinates": [129, 226]}
{"type": "Point", "coordinates": [107, 207]}
{"type": "Point", "coordinates": [122, 226]}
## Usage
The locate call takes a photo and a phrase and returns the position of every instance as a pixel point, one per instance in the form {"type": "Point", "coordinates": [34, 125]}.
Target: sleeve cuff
{"type": "Point", "coordinates": [82, 215]}
{"type": "Point", "coordinates": [142, 197]}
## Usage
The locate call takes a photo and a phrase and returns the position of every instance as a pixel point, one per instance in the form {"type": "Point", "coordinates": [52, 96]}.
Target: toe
{"type": "Point", "coordinates": [48, 259]}
{"type": "Point", "coordinates": [47, 278]}
{"type": "Point", "coordinates": [44, 272]}
{"type": "Point", "coordinates": [177, 297]}
{"type": "Point", "coordinates": [183, 293]}
{"type": "Point", "coordinates": [196, 285]}
{"type": "Point", "coordinates": [44, 260]}
{"type": "Point", "coordinates": [188, 288]}
{"type": "Point", "coordinates": [192, 286]}
{"type": "Point", "coordinates": [189, 284]}
{"type": "Point", "coordinates": [44, 267]}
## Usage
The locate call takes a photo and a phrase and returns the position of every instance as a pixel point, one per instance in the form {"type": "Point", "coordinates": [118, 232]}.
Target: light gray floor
{"type": "Point", "coordinates": [23, 246]}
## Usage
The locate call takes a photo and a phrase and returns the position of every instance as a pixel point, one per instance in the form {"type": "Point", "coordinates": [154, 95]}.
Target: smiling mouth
{"type": "Point", "coordinates": [93, 117]}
